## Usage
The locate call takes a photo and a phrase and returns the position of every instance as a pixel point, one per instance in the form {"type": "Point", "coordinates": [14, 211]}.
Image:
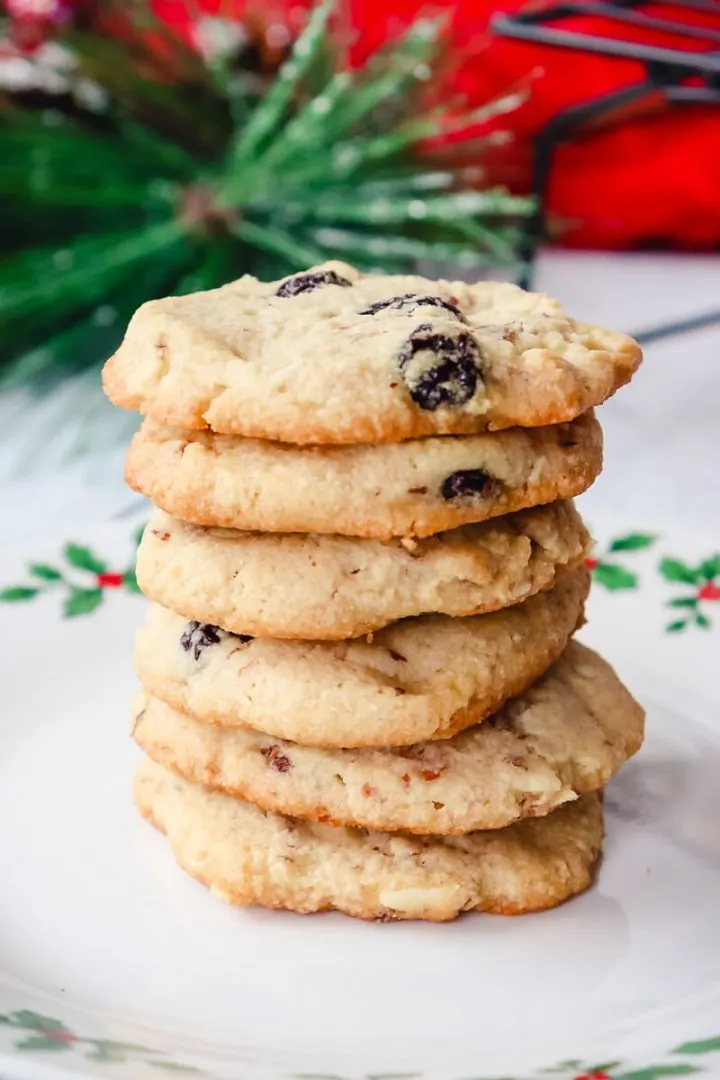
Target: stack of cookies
{"type": "Point", "coordinates": [360, 688]}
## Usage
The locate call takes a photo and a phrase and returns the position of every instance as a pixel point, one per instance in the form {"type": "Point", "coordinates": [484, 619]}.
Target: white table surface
{"type": "Point", "coordinates": [662, 433]}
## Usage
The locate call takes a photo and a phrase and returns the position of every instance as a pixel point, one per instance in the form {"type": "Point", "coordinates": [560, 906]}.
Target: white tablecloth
{"type": "Point", "coordinates": [662, 432]}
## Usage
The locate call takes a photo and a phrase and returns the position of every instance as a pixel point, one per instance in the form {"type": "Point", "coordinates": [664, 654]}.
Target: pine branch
{"type": "Point", "coordinates": [191, 176]}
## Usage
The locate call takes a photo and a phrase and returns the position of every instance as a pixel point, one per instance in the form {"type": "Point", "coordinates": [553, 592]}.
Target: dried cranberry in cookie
{"type": "Point", "coordinates": [197, 636]}
{"type": "Point", "coordinates": [409, 302]}
{"type": "Point", "coordinates": [276, 759]}
{"type": "Point", "coordinates": [440, 369]}
{"type": "Point", "coordinates": [467, 483]}
{"type": "Point", "coordinates": [302, 283]}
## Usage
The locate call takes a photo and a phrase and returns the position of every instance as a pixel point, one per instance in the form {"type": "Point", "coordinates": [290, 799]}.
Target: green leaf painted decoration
{"type": "Point", "coordinates": [702, 621]}
{"type": "Point", "coordinates": [675, 627]}
{"type": "Point", "coordinates": [614, 577]}
{"type": "Point", "coordinates": [52, 1035]}
{"type": "Point", "coordinates": [18, 592]}
{"type": "Point", "coordinates": [632, 542]}
{"type": "Point", "coordinates": [82, 602]}
{"type": "Point", "coordinates": [394, 1076]}
{"type": "Point", "coordinates": [702, 1046]}
{"type": "Point", "coordinates": [130, 581]}
{"type": "Point", "coordinates": [47, 1034]}
{"type": "Point", "coordinates": [683, 602]}
{"type": "Point", "coordinates": [709, 568]}
{"type": "Point", "coordinates": [32, 1021]}
{"type": "Point", "coordinates": [44, 572]}
{"type": "Point", "coordinates": [83, 559]}
{"type": "Point", "coordinates": [653, 1072]}
{"type": "Point", "coordinates": [42, 1042]}
{"type": "Point", "coordinates": [677, 571]}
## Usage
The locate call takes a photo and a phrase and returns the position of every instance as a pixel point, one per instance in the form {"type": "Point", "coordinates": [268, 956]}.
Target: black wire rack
{"type": "Point", "coordinates": [676, 76]}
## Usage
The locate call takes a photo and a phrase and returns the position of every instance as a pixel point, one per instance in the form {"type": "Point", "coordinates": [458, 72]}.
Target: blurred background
{"type": "Point", "coordinates": [156, 148]}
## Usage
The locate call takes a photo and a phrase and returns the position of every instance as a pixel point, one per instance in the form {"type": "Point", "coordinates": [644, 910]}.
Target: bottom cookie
{"type": "Point", "coordinates": [250, 856]}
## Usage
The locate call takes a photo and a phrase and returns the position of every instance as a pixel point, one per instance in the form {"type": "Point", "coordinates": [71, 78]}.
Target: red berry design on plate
{"type": "Point", "coordinates": [110, 581]}
{"type": "Point", "coordinates": [61, 1035]}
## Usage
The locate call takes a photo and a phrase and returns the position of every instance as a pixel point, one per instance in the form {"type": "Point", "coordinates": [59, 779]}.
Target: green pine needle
{"type": "Point", "coordinates": [191, 177]}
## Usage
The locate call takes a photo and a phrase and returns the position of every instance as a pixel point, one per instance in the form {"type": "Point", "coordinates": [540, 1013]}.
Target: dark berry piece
{"type": "Point", "coordinates": [440, 370]}
{"type": "Point", "coordinates": [276, 759]}
{"type": "Point", "coordinates": [307, 282]}
{"type": "Point", "coordinates": [197, 636]}
{"type": "Point", "coordinates": [466, 483]}
{"type": "Point", "coordinates": [409, 301]}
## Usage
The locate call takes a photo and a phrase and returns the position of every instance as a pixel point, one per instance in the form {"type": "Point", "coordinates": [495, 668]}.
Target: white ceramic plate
{"type": "Point", "coordinates": [115, 964]}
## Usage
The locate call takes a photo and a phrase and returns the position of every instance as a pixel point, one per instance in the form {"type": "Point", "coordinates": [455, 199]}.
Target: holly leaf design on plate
{"type": "Point", "coordinates": [16, 593]}
{"type": "Point", "coordinates": [82, 602]}
{"type": "Point", "coordinates": [633, 542]}
{"type": "Point", "coordinates": [42, 1042]}
{"type": "Point", "coordinates": [677, 571]}
{"type": "Point", "coordinates": [702, 1046]}
{"type": "Point", "coordinates": [82, 558]}
{"type": "Point", "coordinates": [653, 1072]}
{"type": "Point", "coordinates": [614, 577]}
{"type": "Point", "coordinates": [44, 572]}
{"type": "Point", "coordinates": [675, 627]}
{"type": "Point", "coordinates": [31, 1021]}
{"type": "Point", "coordinates": [130, 581]}
{"type": "Point", "coordinates": [709, 568]}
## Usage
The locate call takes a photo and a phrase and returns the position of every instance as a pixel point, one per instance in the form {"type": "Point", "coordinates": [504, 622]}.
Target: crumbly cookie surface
{"type": "Point", "coordinates": [419, 679]}
{"type": "Point", "coordinates": [565, 736]}
{"type": "Point", "coordinates": [332, 587]}
{"type": "Point", "coordinates": [413, 488]}
{"type": "Point", "coordinates": [337, 356]}
{"type": "Point", "coordinates": [251, 856]}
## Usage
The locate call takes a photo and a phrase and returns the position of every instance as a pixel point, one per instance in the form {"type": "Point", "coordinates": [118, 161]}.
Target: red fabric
{"type": "Point", "coordinates": [653, 179]}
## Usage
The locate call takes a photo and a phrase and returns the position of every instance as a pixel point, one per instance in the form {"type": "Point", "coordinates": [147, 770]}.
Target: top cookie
{"type": "Point", "coordinates": [336, 356]}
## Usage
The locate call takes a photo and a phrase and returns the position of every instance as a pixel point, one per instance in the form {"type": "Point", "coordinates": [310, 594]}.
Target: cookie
{"type": "Point", "coordinates": [331, 587]}
{"type": "Point", "coordinates": [565, 736]}
{"type": "Point", "coordinates": [251, 856]}
{"type": "Point", "coordinates": [405, 489]}
{"type": "Point", "coordinates": [335, 356]}
{"type": "Point", "coordinates": [418, 679]}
